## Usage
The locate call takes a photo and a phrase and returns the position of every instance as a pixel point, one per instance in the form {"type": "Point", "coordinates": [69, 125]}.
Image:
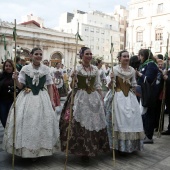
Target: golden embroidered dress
{"type": "Point", "coordinates": [37, 130]}
{"type": "Point", "coordinates": [128, 127]}
{"type": "Point", "coordinates": [88, 125]}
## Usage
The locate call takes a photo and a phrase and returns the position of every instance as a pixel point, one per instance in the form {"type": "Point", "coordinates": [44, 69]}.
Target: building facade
{"type": "Point", "coordinates": [121, 15]}
{"type": "Point", "coordinates": [149, 23]}
{"type": "Point", "coordinates": [96, 30]}
{"type": "Point", "coordinates": [56, 46]}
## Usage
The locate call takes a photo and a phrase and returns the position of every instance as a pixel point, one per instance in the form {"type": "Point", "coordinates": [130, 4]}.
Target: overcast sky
{"type": "Point", "coordinates": [50, 10]}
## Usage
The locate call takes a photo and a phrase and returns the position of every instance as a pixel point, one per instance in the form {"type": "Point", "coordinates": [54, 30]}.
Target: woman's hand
{"type": "Point", "coordinates": [165, 77]}
{"type": "Point", "coordinates": [15, 75]}
{"type": "Point", "coordinates": [138, 73]}
{"type": "Point", "coordinates": [74, 74]}
{"type": "Point", "coordinates": [161, 70]}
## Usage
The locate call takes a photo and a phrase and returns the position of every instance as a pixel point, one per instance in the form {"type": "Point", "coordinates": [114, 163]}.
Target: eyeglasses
{"type": "Point", "coordinates": [38, 54]}
{"type": "Point", "coordinates": [88, 54]}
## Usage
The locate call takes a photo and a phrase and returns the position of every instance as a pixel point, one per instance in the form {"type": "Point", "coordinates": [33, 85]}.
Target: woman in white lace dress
{"type": "Point", "coordinates": [59, 81]}
{"type": "Point", "coordinates": [88, 125]}
{"type": "Point", "coordinates": [102, 77]}
{"type": "Point", "coordinates": [128, 126]}
{"type": "Point", "coordinates": [37, 131]}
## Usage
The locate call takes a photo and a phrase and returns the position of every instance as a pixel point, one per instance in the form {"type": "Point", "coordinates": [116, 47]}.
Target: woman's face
{"type": "Point", "coordinates": [141, 58]}
{"type": "Point", "coordinates": [58, 65]}
{"type": "Point", "coordinates": [37, 56]}
{"type": "Point", "coordinates": [8, 67]}
{"type": "Point", "coordinates": [100, 64]}
{"type": "Point", "coordinates": [87, 56]}
{"type": "Point", "coordinates": [46, 63]}
{"type": "Point", "coordinates": [124, 59]}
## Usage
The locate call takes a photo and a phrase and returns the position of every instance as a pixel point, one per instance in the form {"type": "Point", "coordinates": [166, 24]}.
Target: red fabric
{"type": "Point", "coordinates": [56, 96]}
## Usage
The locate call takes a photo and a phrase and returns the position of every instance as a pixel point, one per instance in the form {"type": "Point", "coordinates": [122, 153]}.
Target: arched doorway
{"type": "Point", "coordinates": [56, 57]}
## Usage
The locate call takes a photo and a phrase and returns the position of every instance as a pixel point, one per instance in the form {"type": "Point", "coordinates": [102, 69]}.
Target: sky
{"type": "Point", "coordinates": [50, 10]}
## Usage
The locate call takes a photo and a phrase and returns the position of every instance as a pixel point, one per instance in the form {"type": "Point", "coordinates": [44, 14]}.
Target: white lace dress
{"type": "Point", "coordinates": [128, 124]}
{"type": "Point", "coordinates": [88, 127]}
{"type": "Point", "coordinates": [37, 129]}
{"type": "Point", "coordinates": [91, 113]}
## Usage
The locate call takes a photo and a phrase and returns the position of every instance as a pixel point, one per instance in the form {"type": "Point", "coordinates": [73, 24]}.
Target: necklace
{"type": "Point", "coordinates": [35, 66]}
{"type": "Point", "coordinates": [88, 79]}
{"type": "Point", "coordinates": [86, 66]}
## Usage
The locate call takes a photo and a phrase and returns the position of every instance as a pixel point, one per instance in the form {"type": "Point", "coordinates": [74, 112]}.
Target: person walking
{"type": "Point", "coordinates": [128, 127]}
{"type": "Point", "coordinates": [88, 124]}
{"type": "Point", "coordinates": [37, 131]}
{"type": "Point", "coordinates": [6, 90]}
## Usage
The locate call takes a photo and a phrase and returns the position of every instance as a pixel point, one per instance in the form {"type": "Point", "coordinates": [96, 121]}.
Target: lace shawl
{"type": "Point", "coordinates": [35, 74]}
{"type": "Point", "coordinates": [88, 108]}
{"type": "Point", "coordinates": [127, 76]}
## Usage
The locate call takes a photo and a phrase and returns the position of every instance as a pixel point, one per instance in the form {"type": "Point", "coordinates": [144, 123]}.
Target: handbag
{"type": "Point", "coordinates": [147, 91]}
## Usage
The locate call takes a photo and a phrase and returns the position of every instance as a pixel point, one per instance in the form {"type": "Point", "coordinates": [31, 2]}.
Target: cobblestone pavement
{"type": "Point", "coordinates": [154, 157]}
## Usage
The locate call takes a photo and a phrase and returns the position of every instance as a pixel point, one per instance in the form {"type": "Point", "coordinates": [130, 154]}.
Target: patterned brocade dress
{"type": "Point", "coordinates": [37, 129]}
{"type": "Point", "coordinates": [128, 126]}
{"type": "Point", "coordinates": [88, 134]}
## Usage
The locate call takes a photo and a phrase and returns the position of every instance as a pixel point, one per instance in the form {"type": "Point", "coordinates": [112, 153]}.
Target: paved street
{"type": "Point", "coordinates": [154, 157]}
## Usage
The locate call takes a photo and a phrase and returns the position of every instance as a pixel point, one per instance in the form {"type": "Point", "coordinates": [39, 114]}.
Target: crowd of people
{"type": "Point", "coordinates": [105, 100]}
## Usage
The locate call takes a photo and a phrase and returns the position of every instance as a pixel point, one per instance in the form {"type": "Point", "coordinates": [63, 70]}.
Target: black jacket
{"type": "Point", "coordinates": [6, 86]}
{"type": "Point", "coordinates": [167, 97]}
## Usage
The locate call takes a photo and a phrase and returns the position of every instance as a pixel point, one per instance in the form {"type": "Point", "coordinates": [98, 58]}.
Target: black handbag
{"type": "Point", "coordinates": [147, 93]}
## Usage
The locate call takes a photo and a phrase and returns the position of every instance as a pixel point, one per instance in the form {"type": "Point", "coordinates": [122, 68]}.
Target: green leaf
{"type": "Point", "coordinates": [112, 49]}
{"type": "Point", "coordinates": [3, 39]}
{"type": "Point", "coordinates": [78, 36]}
{"type": "Point", "coordinates": [14, 33]}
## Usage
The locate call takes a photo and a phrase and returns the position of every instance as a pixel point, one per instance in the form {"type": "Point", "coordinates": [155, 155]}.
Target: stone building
{"type": "Point", "coordinates": [121, 15]}
{"type": "Point", "coordinates": [149, 23]}
{"type": "Point", "coordinates": [96, 29]}
{"type": "Point", "coordinates": [56, 46]}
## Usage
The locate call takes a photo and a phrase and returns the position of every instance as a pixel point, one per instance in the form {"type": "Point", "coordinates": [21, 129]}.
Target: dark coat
{"type": "Point", "coordinates": [168, 89]}
{"type": "Point", "coordinates": [150, 71]}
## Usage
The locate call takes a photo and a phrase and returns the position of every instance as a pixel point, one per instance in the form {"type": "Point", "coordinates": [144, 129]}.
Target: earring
{"type": "Point", "coordinates": [80, 61]}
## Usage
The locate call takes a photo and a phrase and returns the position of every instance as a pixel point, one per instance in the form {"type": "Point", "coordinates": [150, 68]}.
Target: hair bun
{"type": "Point", "coordinates": [81, 52]}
